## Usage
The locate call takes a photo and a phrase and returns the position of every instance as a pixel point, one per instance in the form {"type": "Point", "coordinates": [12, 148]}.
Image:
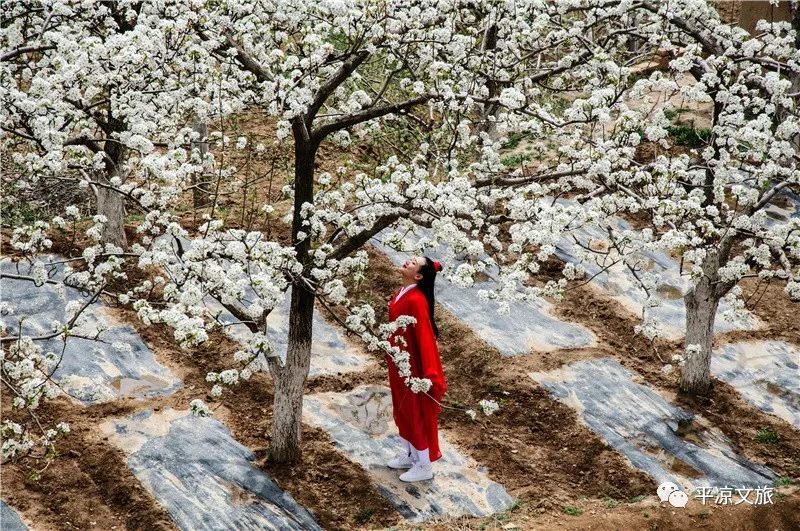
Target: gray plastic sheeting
{"type": "Point", "coordinates": [784, 206]}
{"type": "Point", "coordinates": [201, 475]}
{"type": "Point", "coordinates": [621, 284]}
{"type": "Point", "coordinates": [9, 519]}
{"type": "Point", "coordinates": [362, 427]}
{"type": "Point", "coordinates": [528, 326]}
{"type": "Point", "coordinates": [91, 371]}
{"type": "Point", "coordinates": [330, 352]}
{"type": "Point", "coordinates": [766, 373]}
{"type": "Point", "coordinates": [664, 441]}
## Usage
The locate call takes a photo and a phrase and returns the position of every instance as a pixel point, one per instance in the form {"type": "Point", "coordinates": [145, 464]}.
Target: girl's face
{"type": "Point", "coordinates": [410, 268]}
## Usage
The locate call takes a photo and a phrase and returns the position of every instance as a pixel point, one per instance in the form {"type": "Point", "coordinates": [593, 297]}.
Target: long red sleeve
{"type": "Point", "coordinates": [428, 349]}
{"type": "Point", "coordinates": [415, 414]}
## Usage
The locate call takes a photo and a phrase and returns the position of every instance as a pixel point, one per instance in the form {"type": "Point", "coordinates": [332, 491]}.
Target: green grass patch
{"type": "Point", "coordinates": [513, 140]}
{"type": "Point", "coordinates": [516, 504]}
{"type": "Point", "coordinates": [515, 161]}
{"type": "Point", "coordinates": [363, 516]}
{"type": "Point", "coordinates": [610, 502]}
{"type": "Point", "coordinates": [670, 114]}
{"type": "Point", "coordinates": [572, 510]}
{"type": "Point", "coordinates": [689, 136]}
{"type": "Point", "coordinates": [767, 436]}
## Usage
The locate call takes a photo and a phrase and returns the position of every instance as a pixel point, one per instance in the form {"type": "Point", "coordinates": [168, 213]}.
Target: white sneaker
{"type": "Point", "coordinates": [418, 472]}
{"type": "Point", "coordinates": [401, 461]}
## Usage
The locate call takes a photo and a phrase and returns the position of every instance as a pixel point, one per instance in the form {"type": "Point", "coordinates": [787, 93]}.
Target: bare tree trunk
{"type": "Point", "coordinates": [701, 309]}
{"type": "Point", "coordinates": [793, 76]}
{"type": "Point", "coordinates": [111, 204]}
{"type": "Point", "coordinates": [200, 195]}
{"type": "Point", "coordinates": [490, 110]}
{"type": "Point", "coordinates": [288, 405]}
{"type": "Point", "coordinates": [290, 384]}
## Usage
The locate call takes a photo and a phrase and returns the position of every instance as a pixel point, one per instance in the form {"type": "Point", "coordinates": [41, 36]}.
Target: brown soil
{"type": "Point", "coordinates": [534, 446]}
{"type": "Point", "coordinates": [608, 514]}
{"type": "Point", "coordinates": [737, 419]}
{"type": "Point", "coordinates": [89, 485]}
{"type": "Point", "coordinates": [545, 457]}
{"type": "Point", "coordinates": [521, 445]}
{"type": "Point", "coordinates": [338, 500]}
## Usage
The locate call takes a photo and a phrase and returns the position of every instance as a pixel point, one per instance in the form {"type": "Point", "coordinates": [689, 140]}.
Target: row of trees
{"type": "Point", "coordinates": [116, 97]}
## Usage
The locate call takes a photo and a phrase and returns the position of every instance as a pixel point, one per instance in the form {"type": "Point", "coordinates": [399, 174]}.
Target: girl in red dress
{"type": "Point", "coordinates": [416, 413]}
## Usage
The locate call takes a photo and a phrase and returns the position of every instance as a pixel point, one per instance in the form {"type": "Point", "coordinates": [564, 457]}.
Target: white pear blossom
{"type": "Point", "coordinates": [199, 408]}
{"type": "Point", "coordinates": [489, 406]}
{"type": "Point", "coordinates": [436, 122]}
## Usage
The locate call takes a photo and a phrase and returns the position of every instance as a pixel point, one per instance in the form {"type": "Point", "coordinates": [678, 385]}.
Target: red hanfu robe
{"type": "Point", "coordinates": [416, 413]}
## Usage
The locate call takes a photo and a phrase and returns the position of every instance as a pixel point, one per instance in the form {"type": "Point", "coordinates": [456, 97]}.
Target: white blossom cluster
{"type": "Point", "coordinates": [101, 94]}
{"type": "Point", "coordinates": [489, 406]}
{"type": "Point", "coordinates": [26, 369]}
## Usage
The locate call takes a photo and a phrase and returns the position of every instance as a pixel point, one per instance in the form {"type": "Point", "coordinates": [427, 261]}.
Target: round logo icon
{"type": "Point", "coordinates": [665, 489]}
{"type": "Point", "coordinates": [678, 499]}
{"type": "Point", "coordinates": [670, 492]}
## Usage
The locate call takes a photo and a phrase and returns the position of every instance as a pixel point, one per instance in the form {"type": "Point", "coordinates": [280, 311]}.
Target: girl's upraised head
{"type": "Point", "coordinates": [422, 270]}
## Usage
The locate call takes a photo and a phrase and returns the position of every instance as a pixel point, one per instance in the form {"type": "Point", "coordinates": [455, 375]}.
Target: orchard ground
{"type": "Point", "coordinates": [562, 474]}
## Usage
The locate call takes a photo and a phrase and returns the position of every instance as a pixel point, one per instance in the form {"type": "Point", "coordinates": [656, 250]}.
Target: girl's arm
{"type": "Point", "coordinates": [428, 349]}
